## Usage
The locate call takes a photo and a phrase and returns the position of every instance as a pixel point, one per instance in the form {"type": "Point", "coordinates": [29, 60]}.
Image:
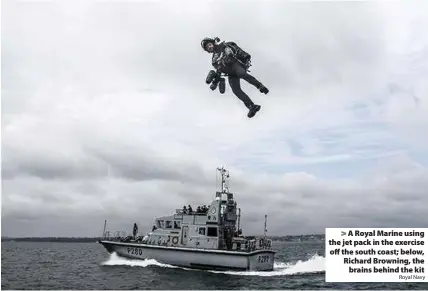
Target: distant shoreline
{"type": "Point", "coordinates": [51, 239]}
{"type": "Point", "coordinates": [95, 239]}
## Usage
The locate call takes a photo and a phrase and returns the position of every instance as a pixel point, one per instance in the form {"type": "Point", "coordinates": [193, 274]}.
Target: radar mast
{"type": "Point", "coordinates": [224, 180]}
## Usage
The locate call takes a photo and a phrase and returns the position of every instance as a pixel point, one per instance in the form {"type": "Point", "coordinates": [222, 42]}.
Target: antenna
{"type": "Point", "coordinates": [224, 177]}
{"type": "Point", "coordinates": [239, 218]}
{"type": "Point", "coordinates": [105, 225]}
{"type": "Point", "coordinates": [265, 231]}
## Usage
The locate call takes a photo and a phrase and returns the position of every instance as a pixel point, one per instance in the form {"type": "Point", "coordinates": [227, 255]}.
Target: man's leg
{"type": "Point", "coordinates": [234, 83]}
{"type": "Point", "coordinates": [241, 72]}
{"type": "Point", "coordinates": [256, 83]}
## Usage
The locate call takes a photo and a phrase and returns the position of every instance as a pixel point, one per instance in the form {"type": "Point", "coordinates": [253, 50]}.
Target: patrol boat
{"type": "Point", "coordinates": [205, 239]}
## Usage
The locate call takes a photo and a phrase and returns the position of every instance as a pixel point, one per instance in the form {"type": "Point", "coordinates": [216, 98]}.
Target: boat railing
{"type": "Point", "coordinates": [259, 244]}
{"type": "Point", "coordinates": [121, 236]}
{"type": "Point", "coordinates": [182, 212]}
{"type": "Point", "coordinates": [111, 234]}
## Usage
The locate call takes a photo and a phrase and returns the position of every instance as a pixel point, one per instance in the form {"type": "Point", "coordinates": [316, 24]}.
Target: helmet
{"type": "Point", "coordinates": [208, 40]}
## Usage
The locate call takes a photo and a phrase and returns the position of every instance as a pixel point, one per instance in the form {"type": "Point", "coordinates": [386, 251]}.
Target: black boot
{"type": "Point", "coordinates": [253, 110]}
{"type": "Point", "coordinates": [263, 89]}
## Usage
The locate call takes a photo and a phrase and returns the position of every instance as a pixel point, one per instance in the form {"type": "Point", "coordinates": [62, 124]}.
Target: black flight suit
{"type": "Point", "coordinates": [224, 60]}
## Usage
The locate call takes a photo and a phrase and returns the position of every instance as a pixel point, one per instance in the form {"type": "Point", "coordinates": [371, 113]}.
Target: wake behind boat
{"type": "Point", "coordinates": [209, 238]}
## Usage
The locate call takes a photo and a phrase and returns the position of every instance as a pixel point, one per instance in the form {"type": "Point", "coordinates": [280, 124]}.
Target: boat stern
{"type": "Point", "coordinates": [262, 261]}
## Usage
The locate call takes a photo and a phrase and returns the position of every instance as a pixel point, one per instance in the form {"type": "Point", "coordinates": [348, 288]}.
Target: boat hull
{"type": "Point", "coordinates": [259, 260]}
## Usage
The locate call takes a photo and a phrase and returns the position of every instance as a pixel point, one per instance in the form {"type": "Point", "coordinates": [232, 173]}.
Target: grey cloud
{"type": "Point", "coordinates": [146, 164]}
{"type": "Point", "coordinates": [97, 162]}
{"type": "Point", "coordinates": [48, 167]}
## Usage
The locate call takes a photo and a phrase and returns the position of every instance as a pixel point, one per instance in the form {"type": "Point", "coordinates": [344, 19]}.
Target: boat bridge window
{"type": "Point", "coordinates": [160, 223]}
{"type": "Point", "coordinates": [177, 224]}
{"type": "Point", "coordinates": [168, 224]}
{"type": "Point", "coordinates": [202, 230]}
{"type": "Point", "coordinates": [212, 231]}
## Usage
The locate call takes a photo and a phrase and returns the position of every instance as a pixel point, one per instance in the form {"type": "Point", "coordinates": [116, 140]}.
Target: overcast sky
{"type": "Point", "coordinates": [106, 114]}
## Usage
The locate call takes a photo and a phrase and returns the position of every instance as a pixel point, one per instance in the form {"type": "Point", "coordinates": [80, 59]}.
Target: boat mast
{"type": "Point", "coordinates": [239, 218]}
{"type": "Point", "coordinates": [265, 225]}
{"type": "Point", "coordinates": [104, 230]}
{"type": "Point", "coordinates": [224, 176]}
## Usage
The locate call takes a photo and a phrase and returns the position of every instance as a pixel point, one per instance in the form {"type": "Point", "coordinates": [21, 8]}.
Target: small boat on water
{"type": "Point", "coordinates": [209, 238]}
